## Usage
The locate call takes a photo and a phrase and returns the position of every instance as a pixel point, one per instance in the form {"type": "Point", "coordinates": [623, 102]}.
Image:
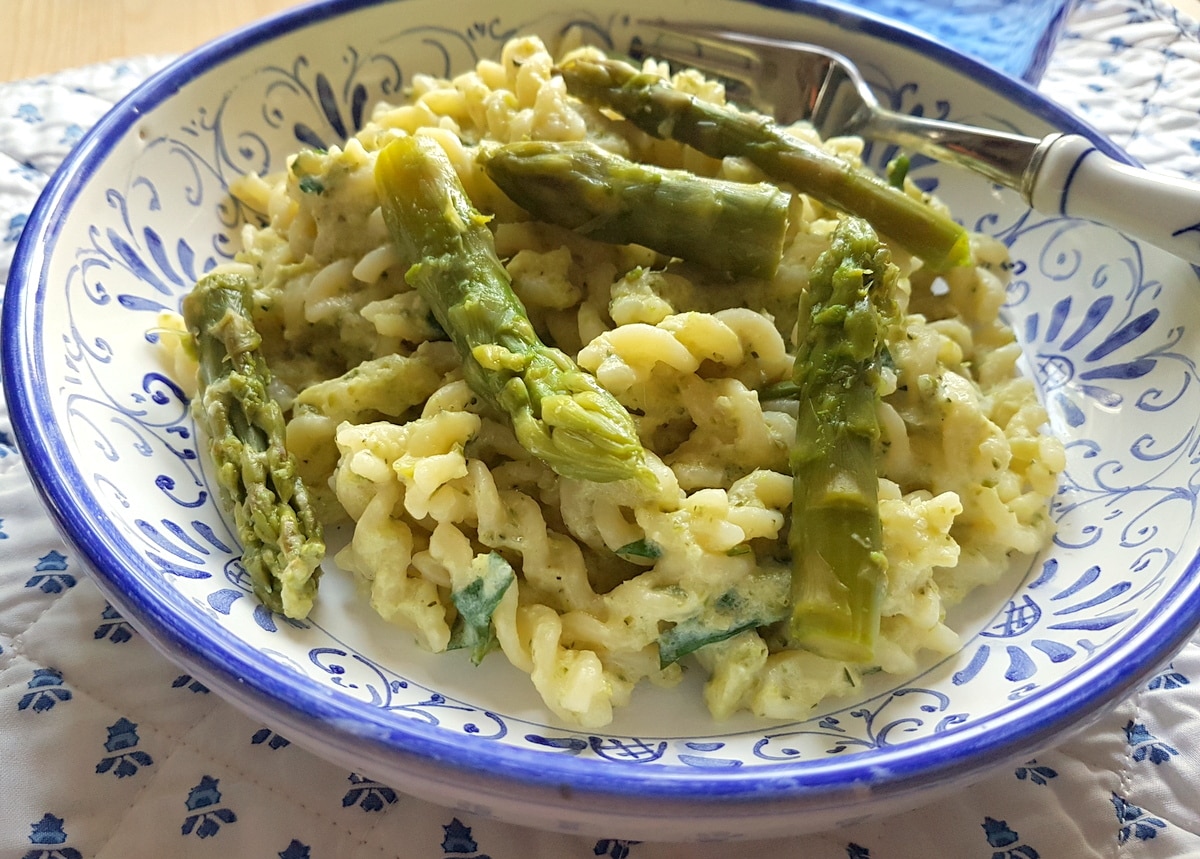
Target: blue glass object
{"type": "Point", "coordinates": [1014, 36]}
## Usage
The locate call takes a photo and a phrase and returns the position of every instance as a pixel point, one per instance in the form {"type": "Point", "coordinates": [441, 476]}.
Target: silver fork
{"type": "Point", "coordinates": [1060, 174]}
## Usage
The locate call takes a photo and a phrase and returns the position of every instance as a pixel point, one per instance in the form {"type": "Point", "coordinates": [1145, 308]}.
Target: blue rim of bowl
{"type": "Point", "coordinates": [351, 726]}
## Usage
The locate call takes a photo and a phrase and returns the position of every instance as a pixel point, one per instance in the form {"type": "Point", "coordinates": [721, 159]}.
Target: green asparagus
{"type": "Point", "coordinates": [838, 566]}
{"type": "Point", "coordinates": [559, 412]}
{"type": "Point", "coordinates": [281, 538]}
{"type": "Point", "coordinates": [657, 108]}
{"type": "Point", "coordinates": [585, 188]}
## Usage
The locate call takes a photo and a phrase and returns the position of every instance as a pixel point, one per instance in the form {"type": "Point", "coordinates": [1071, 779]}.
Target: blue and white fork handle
{"type": "Point", "coordinates": [1075, 178]}
{"type": "Point", "coordinates": [1063, 174]}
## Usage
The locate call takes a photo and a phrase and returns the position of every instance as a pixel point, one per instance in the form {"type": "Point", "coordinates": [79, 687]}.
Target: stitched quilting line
{"type": "Point", "coordinates": [88, 697]}
{"type": "Point", "coordinates": [1125, 780]}
{"type": "Point", "coordinates": [185, 739]}
{"type": "Point", "coordinates": [16, 639]}
{"type": "Point", "coordinates": [1186, 27]}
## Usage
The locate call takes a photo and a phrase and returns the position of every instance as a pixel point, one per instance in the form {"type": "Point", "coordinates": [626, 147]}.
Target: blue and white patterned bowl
{"type": "Point", "coordinates": [139, 210]}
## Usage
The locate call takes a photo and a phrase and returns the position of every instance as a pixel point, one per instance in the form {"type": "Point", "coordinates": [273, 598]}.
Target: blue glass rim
{"type": "Point", "coordinates": [268, 688]}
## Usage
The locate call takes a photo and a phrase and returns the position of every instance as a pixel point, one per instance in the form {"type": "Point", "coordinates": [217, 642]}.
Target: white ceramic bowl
{"type": "Point", "coordinates": [139, 210]}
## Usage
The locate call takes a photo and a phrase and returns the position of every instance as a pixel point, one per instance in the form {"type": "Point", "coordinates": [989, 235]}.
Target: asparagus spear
{"type": "Point", "coordinates": [282, 543]}
{"type": "Point", "coordinates": [658, 109]}
{"type": "Point", "coordinates": [838, 566]}
{"type": "Point", "coordinates": [730, 226]}
{"type": "Point", "coordinates": [559, 412]}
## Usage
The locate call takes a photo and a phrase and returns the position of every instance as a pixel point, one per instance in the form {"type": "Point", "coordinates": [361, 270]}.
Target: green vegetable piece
{"type": "Point", "coordinates": [311, 185]}
{"type": "Point", "coordinates": [282, 542]}
{"type": "Point", "coordinates": [785, 390]}
{"type": "Point", "coordinates": [559, 412]}
{"type": "Point", "coordinates": [646, 550]}
{"type": "Point", "coordinates": [476, 603]}
{"type": "Point", "coordinates": [897, 171]}
{"type": "Point", "coordinates": [835, 537]}
{"type": "Point", "coordinates": [736, 227]}
{"type": "Point", "coordinates": [657, 108]}
{"type": "Point", "coordinates": [389, 385]}
{"type": "Point", "coordinates": [760, 600]}
{"type": "Point", "coordinates": [307, 163]}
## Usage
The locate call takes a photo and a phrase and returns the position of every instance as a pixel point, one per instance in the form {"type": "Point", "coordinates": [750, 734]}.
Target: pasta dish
{"type": "Point", "coordinates": [593, 399]}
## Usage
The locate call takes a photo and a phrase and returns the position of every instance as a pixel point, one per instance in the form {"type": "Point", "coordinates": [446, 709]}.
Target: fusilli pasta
{"type": "Point", "coordinates": [394, 440]}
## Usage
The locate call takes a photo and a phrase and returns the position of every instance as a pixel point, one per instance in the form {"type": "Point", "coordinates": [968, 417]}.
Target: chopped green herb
{"type": "Point", "coordinates": [311, 185]}
{"type": "Point", "coordinates": [643, 549]}
{"type": "Point", "coordinates": [476, 602]}
{"type": "Point", "coordinates": [307, 167]}
{"type": "Point", "coordinates": [760, 600]}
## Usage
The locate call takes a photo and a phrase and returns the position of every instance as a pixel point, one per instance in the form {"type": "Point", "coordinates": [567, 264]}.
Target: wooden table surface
{"type": "Point", "coordinates": [44, 36]}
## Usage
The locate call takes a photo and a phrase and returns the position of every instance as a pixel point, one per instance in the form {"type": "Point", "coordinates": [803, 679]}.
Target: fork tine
{"type": "Point", "coordinates": [691, 55]}
{"type": "Point", "coordinates": [720, 38]}
{"type": "Point", "coordinates": [734, 63]}
{"type": "Point", "coordinates": [791, 80]}
{"type": "Point", "coordinates": [787, 79]}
